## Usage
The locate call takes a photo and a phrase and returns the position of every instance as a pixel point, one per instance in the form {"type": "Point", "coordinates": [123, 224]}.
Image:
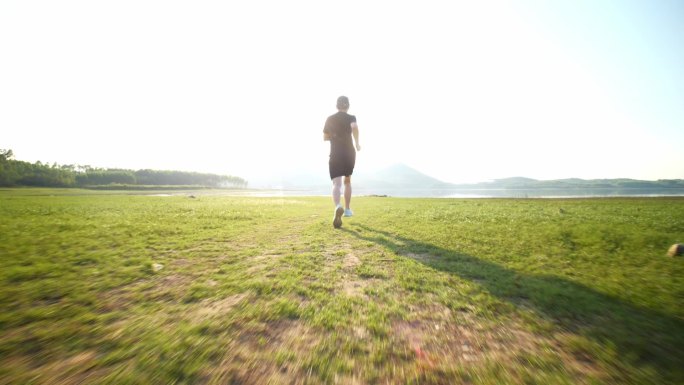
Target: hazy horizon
{"type": "Point", "coordinates": [464, 92]}
{"type": "Point", "coordinates": [274, 180]}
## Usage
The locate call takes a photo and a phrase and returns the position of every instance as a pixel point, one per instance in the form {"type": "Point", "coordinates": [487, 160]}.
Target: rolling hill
{"type": "Point", "coordinates": [402, 180]}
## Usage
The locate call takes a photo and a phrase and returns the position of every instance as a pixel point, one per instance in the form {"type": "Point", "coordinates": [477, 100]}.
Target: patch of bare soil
{"type": "Point", "coordinates": [355, 287]}
{"type": "Point", "coordinates": [169, 287]}
{"type": "Point", "coordinates": [268, 353]}
{"type": "Point", "coordinates": [114, 300]}
{"type": "Point", "coordinates": [181, 262]}
{"type": "Point", "coordinates": [350, 261]}
{"type": "Point", "coordinates": [436, 339]}
{"type": "Point", "coordinates": [342, 252]}
{"type": "Point", "coordinates": [351, 284]}
{"type": "Point", "coordinates": [260, 262]}
{"type": "Point", "coordinates": [215, 308]}
{"type": "Point", "coordinates": [77, 369]}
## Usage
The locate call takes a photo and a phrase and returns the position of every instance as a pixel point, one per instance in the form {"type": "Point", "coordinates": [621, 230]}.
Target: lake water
{"type": "Point", "coordinates": [481, 193]}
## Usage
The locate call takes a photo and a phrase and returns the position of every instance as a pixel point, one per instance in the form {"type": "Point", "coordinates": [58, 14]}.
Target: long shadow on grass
{"type": "Point", "coordinates": [641, 336]}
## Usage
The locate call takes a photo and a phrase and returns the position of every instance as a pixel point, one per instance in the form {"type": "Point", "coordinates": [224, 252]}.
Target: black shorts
{"type": "Point", "coordinates": [342, 165]}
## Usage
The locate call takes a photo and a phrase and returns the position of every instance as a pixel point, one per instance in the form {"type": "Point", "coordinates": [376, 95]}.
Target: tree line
{"type": "Point", "coordinates": [19, 173]}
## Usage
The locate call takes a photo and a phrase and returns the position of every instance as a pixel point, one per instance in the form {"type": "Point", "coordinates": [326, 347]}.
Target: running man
{"type": "Point", "coordinates": [339, 129]}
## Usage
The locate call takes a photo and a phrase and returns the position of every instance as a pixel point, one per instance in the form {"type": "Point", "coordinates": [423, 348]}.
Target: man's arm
{"type": "Point", "coordinates": [355, 133]}
{"type": "Point", "coordinates": [326, 130]}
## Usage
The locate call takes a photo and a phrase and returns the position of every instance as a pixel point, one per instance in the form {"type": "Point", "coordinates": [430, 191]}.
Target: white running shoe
{"type": "Point", "coordinates": [337, 219]}
{"type": "Point", "coordinates": [348, 213]}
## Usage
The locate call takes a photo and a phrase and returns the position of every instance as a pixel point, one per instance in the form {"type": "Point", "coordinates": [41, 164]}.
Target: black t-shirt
{"type": "Point", "coordinates": [338, 127]}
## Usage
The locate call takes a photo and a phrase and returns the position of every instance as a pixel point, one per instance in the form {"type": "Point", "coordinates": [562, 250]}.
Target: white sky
{"type": "Point", "coordinates": [463, 91]}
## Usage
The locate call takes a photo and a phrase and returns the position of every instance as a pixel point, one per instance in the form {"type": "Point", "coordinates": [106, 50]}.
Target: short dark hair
{"type": "Point", "coordinates": [342, 102]}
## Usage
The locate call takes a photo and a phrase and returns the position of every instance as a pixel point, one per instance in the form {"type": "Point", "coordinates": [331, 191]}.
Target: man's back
{"type": "Point", "coordinates": [339, 129]}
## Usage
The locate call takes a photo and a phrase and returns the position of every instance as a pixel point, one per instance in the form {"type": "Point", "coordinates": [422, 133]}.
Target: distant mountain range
{"type": "Point", "coordinates": [575, 183]}
{"type": "Point", "coordinates": [392, 177]}
{"type": "Point", "coordinates": [402, 180]}
{"type": "Point", "coordinates": [398, 176]}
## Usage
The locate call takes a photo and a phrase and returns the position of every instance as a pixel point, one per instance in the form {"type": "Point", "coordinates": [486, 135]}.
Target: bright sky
{"type": "Point", "coordinates": [464, 91]}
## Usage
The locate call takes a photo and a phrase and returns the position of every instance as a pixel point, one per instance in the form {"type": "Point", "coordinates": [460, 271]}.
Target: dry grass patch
{"type": "Point", "coordinates": [421, 257]}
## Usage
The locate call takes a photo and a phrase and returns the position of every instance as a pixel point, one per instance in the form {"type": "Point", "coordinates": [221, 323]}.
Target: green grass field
{"type": "Point", "coordinates": [102, 288]}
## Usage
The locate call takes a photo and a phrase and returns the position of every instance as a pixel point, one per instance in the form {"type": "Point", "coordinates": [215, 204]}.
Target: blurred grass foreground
{"type": "Point", "coordinates": [110, 288]}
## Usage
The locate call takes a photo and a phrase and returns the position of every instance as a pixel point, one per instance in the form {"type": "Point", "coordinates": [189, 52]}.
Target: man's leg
{"type": "Point", "coordinates": [347, 192]}
{"type": "Point", "coordinates": [337, 186]}
{"type": "Point", "coordinates": [337, 189]}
